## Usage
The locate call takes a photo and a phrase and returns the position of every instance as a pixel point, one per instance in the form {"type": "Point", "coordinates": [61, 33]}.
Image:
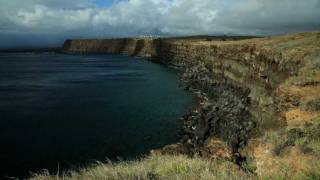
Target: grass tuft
{"type": "Point", "coordinates": [155, 167]}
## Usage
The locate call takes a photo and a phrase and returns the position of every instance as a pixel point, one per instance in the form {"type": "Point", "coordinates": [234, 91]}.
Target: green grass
{"type": "Point", "coordinates": [156, 167]}
{"type": "Point", "coordinates": [167, 167]}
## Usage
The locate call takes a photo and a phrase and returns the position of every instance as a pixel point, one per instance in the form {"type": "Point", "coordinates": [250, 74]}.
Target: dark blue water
{"type": "Point", "coordinates": [63, 111]}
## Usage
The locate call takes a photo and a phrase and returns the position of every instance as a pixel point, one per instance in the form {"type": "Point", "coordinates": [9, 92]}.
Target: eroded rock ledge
{"type": "Point", "coordinates": [246, 87]}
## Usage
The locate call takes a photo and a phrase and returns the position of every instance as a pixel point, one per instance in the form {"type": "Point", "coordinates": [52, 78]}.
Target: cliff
{"type": "Point", "coordinates": [126, 46]}
{"type": "Point", "coordinates": [260, 96]}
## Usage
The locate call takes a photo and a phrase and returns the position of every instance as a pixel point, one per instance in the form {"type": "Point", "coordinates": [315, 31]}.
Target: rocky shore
{"type": "Point", "coordinates": [247, 89]}
{"type": "Point", "coordinates": [222, 113]}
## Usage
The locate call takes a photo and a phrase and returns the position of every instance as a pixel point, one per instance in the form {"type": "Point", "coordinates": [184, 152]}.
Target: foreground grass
{"type": "Point", "coordinates": [156, 167]}
{"type": "Point", "coordinates": [291, 153]}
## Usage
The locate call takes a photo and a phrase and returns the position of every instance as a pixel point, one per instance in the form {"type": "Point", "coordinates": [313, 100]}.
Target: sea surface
{"type": "Point", "coordinates": [62, 112]}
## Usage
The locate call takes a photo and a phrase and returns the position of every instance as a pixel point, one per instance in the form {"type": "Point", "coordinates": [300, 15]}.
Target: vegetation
{"type": "Point", "coordinates": [290, 150]}
{"type": "Point", "coordinates": [177, 167]}
{"type": "Point", "coordinates": [307, 139]}
{"type": "Point", "coordinates": [295, 152]}
{"type": "Point", "coordinates": [156, 167]}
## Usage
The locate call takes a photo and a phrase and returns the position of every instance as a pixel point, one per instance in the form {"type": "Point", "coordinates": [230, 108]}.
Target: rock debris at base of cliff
{"type": "Point", "coordinates": [259, 97]}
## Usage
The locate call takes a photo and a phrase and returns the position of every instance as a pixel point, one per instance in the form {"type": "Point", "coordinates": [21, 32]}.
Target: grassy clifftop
{"type": "Point", "coordinates": [259, 108]}
{"type": "Point", "coordinates": [157, 167]}
{"type": "Point", "coordinates": [175, 167]}
{"type": "Point", "coordinates": [281, 75]}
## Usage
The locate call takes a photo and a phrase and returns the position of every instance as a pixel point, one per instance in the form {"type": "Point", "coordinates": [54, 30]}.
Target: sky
{"type": "Point", "coordinates": [43, 23]}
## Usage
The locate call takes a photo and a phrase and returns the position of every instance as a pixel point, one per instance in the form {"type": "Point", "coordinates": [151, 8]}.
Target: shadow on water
{"type": "Point", "coordinates": [64, 111]}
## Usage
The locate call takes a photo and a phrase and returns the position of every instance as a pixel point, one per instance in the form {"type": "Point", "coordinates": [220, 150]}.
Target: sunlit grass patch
{"type": "Point", "coordinates": [157, 167]}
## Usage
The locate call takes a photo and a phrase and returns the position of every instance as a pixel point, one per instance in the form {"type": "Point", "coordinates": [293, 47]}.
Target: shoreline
{"type": "Point", "coordinates": [249, 85]}
{"type": "Point", "coordinates": [257, 99]}
{"type": "Point", "coordinates": [199, 124]}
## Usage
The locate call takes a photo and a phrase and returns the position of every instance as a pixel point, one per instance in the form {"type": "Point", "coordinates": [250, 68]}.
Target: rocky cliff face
{"type": "Point", "coordinates": [247, 87]}
{"type": "Point", "coordinates": [126, 46]}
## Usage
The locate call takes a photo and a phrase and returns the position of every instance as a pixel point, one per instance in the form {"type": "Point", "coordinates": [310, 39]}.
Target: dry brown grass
{"type": "Point", "coordinates": [293, 164]}
{"type": "Point", "coordinates": [292, 153]}
{"type": "Point", "coordinates": [306, 93]}
{"type": "Point", "coordinates": [298, 117]}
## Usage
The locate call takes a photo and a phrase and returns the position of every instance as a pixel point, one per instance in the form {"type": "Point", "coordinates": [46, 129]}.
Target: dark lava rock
{"type": "Point", "coordinates": [223, 111]}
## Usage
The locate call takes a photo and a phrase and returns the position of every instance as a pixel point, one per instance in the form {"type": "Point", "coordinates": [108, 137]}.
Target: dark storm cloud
{"type": "Point", "coordinates": [38, 22]}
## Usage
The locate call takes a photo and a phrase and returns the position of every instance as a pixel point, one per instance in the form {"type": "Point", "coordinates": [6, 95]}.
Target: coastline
{"type": "Point", "coordinates": [245, 86]}
{"type": "Point", "coordinates": [194, 132]}
{"type": "Point", "coordinates": [258, 99]}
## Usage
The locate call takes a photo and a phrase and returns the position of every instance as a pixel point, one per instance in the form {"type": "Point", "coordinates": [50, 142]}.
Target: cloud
{"type": "Point", "coordinates": [51, 21]}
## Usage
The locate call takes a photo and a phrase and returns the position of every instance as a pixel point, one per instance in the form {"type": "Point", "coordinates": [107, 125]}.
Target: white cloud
{"type": "Point", "coordinates": [81, 18]}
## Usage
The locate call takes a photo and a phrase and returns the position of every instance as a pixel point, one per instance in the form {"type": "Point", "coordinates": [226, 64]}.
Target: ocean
{"type": "Point", "coordinates": [64, 112]}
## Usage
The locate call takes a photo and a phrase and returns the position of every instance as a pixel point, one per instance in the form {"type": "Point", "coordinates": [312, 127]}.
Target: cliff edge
{"type": "Point", "coordinates": [259, 98]}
